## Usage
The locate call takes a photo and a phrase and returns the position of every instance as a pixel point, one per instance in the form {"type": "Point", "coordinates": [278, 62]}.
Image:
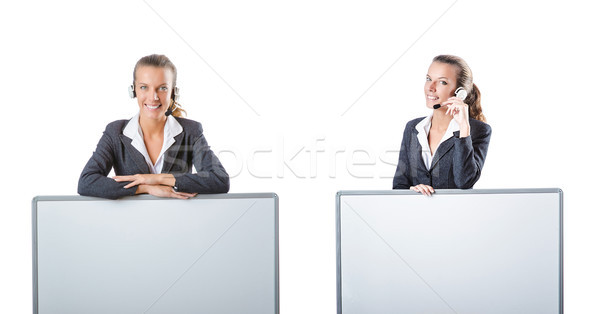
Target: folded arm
{"type": "Point", "coordinates": [93, 180]}
{"type": "Point", "coordinates": [210, 176]}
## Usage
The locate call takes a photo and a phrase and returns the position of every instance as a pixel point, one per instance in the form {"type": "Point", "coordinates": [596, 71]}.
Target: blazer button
{"type": "Point", "coordinates": [427, 174]}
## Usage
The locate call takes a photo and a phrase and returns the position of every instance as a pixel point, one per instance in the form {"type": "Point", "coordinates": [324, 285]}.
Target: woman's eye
{"type": "Point", "coordinates": [143, 87]}
{"type": "Point", "coordinates": [443, 83]}
{"type": "Point", "coordinates": [428, 79]}
{"type": "Point", "coordinates": [163, 88]}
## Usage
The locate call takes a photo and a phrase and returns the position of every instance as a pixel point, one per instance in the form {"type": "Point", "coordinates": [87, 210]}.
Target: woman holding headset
{"type": "Point", "coordinates": [153, 152]}
{"type": "Point", "coordinates": [447, 149]}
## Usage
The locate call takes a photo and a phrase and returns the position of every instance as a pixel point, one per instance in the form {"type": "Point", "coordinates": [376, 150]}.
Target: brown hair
{"type": "Point", "coordinates": [161, 61]}
{"type": "Point", "coordinates": [464, 79]}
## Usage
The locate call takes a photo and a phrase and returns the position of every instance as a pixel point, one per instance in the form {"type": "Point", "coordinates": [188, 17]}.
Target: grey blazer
{"type": "Point", "coordinates": [115, 151]}
{"type": "Point", "coordinates": [456, 164]}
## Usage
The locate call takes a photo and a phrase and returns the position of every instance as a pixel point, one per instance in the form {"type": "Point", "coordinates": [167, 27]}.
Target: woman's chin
{"type": "Point", "coordinates": [153, 115]}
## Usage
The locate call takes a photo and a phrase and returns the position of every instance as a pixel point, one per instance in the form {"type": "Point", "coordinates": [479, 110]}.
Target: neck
{"type": "Point", "coordinates": [440, 119]}
{"type": "Point", "coordinates": [151, 127]}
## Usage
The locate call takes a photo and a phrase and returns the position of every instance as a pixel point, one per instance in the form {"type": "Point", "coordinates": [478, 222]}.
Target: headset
{"type": "Point", "coordinates": [174, 97]}
{"type": "Point", "coordinates": [459, 92]}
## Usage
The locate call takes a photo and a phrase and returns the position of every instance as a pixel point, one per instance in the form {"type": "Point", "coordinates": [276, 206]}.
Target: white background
{"type": "Point", "coordinates": [331, 81]}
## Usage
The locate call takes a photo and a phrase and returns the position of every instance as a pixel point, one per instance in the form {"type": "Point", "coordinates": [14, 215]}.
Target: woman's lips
{"type": "Point", "coordinates": [152, 107]}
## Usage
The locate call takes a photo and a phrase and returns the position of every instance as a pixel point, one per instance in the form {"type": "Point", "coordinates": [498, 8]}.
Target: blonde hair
{"type": "Point", "coordinates": [161, 61]}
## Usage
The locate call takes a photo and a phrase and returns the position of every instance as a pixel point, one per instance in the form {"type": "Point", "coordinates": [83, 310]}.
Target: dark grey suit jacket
{"type": "Point", "coordinates": [190, 149]}
{"type": "Point", "coordinates": [456, 164]}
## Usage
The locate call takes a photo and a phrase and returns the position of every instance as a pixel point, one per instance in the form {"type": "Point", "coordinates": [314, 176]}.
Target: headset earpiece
{"type": "Point", "coordinates": [131, 91]}
{"type": "Point", "coordinates": [461, 93]}
{"type": "Point", "coordinates": [175, 95]}
{"type": "Point", "coordinates": [175, 98]}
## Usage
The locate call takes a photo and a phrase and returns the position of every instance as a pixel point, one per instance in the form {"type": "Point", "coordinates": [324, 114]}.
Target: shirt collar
{"type": "Point", "coordinates": [133, 128]}
{"type": "Point", "coordinates": [172, 127]}
{"type": "Point", "coordinates": [424, 126]}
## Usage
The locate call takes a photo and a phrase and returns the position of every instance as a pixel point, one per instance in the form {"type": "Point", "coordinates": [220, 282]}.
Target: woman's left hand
{"type": "Point", "coordinates": [137, 179]}
{"type": "Point", "coordinates": [460, 113]}
{"type": "Point", "coordinates": [458, 109]}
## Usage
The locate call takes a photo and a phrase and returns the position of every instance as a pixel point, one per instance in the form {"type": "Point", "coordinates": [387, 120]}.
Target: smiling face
{"type": "Point", "coordinates": [440, 83]}
{"type": "Point", "coordinates": [153, 88]}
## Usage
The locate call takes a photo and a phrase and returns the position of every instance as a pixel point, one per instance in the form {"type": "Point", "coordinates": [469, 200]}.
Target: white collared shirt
{"type": "Point", "coordinates": [423, 128]}
{"type": "Point", "coordinates": [133, 130]}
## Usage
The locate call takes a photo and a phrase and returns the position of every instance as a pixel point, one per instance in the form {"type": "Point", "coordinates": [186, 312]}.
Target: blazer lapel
{"type": "Point", "coordinates": [137, 157]}
{"type": "Point", "coordinates": [443, 149]}
{"type": "Point", "coordinates": [171, 154]}
{"type": "Point", "coordinates": [416, 147]}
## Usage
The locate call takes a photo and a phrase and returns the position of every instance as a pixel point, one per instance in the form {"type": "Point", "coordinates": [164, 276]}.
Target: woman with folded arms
{"type": "Point", "coordinates": [447, 149]}
{"type": "Point", "coordinates": [153, 152]}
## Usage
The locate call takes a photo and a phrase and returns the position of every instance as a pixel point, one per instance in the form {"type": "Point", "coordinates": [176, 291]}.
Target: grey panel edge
{"type": "Point", "coordinates": [151, 197]}
{"type": "Point", "coordinates": [452, 191]}
{"type": "Point", "coordinates": [338, 251]}
{"type": "Point", "coordinates": [276, 200]}
{"type": "Point", "coordinates": [561, 303]}
{"type": "Point", "coordinates": [34, 257]}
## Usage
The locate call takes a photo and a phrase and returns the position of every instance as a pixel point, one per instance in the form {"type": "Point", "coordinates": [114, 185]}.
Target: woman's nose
{"type": "Point", "coordinates": [432, 87]}
{"type": "Point", "coordinates": [155, 96]}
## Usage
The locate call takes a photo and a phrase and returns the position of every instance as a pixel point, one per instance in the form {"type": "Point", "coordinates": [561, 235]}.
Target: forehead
{"type": "Point", "coordinates": [439, 69]}
{"type": "Point", "coordinates": [154, 75]}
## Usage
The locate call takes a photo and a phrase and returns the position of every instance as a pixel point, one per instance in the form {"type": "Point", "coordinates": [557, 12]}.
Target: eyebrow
{"type": "Point", "coordinates": [441, 77]}
{"type": "Point", "coordinates": [142, 83]}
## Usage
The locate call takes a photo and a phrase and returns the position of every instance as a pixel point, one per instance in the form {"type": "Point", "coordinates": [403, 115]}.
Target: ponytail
{"type": "Point", "coordinates": [176, 109]}
{"type": "Point", "coordinates": [474, 102]}
{"type": "Point", "coordinates": [179, 112]}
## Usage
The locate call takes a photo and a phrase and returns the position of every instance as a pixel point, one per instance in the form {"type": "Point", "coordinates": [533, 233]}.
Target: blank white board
{"type": "Point", "coordinates": [209, 254]}
{"type": "Point", "coordinates": [459, 251]}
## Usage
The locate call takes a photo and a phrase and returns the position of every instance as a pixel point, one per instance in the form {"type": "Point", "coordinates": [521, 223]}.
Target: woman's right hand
{"type": "Point", "coordinates": [423, 189]}
{"type": "Point", "coordinates": [163, 191]}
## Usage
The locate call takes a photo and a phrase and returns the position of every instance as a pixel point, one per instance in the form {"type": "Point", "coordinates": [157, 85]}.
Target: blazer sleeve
{"type": "Point", "coordinates": [210, 176]}
{"type": "Point", "coordinates": [469, 156]}
{"type": "Point", "coordinates": [93, 180]}
{"type": "Point", "coordinates": [402, 179]}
